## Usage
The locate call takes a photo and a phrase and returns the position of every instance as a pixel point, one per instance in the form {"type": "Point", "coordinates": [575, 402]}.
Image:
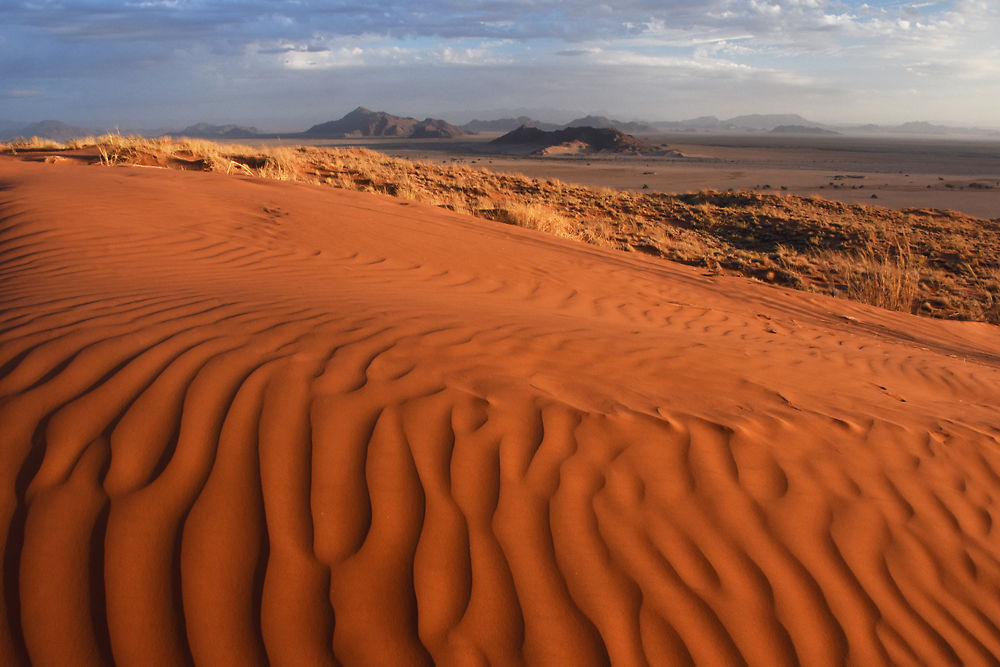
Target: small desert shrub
{"type": "Point", "coordinates": [36, 143]}
{"type": "Point", "coordinates": [453, 201]}
{"type": "Point", "coordinates": [403, 188]}
{"type": "Point", "coordinates": [342, 180]}
{"type": "Point", "coordinates": [535, 216]}
{"type": "Point", "coordinates": [81, 142]}
{"type": "Point", "coordinates": [234, 167]}
{"type": "Point", "coordinates": [883, 273]}
{"type": "Point", "coordinates": [116, 149]}
{"type": "Point", "coordinates": [596, 232]}
{"type": "Point", "coordinates": [280, 164]}
{"type": "Point", "coordinates": [209, 153]}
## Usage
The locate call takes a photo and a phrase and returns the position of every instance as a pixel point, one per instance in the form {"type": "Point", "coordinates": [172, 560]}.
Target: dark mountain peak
{"type": "Point", "coordinates": [364, 111]}
{"type": "Point", "coordinates": [364, 122]}
{"type": "Point", "coordinates": [525, 134]}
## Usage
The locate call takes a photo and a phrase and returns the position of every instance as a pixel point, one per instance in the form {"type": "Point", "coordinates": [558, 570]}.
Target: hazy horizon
{"type": "Point", "coordinates": [461, 118]}
{"type": "Point", "coordinates": [286, 65]}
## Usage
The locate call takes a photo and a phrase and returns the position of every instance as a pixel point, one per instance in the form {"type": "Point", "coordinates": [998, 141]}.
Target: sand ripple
{"type": "Point", "coordinates": [259, 423]}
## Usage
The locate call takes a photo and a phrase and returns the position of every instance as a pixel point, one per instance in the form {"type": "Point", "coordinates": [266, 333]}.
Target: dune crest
{"type": "Point", "coordinates": [253, 422]}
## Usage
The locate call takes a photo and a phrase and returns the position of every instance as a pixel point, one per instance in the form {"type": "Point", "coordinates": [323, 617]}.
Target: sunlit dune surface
{"type": "Point", "coordinates": [256, 422]}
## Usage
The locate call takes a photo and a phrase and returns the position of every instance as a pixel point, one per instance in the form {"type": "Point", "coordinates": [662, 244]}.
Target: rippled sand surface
{"type": "Point", "coordinates": [248, 422]}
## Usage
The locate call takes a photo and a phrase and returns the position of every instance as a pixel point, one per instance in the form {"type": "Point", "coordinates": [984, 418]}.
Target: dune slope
{"type": "Point", "coordinates": [253, 422]}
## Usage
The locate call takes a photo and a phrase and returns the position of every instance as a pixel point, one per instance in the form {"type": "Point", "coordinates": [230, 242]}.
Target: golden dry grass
{"type": "Point", "coordinates": [34, 144]}
{"type": "Point", "coordinates": [880, 273]}
{"type": "Point", "coordinates": [937, 263]}
{"type": "Point", "coordinates": [534, 216]}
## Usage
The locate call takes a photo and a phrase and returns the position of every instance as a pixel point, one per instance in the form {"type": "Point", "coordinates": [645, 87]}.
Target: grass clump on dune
{"type": "Point", "coordinates": [534, 216]}
{"type": "Point", "coordinates": [937, 263]}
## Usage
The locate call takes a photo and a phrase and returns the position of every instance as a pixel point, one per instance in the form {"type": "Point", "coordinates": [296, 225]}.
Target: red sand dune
{"type": "Point", "coordinates": [247, 422]}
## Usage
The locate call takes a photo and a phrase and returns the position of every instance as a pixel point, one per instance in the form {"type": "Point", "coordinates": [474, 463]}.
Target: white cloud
{"type": "Point", "coordinates": [329, 59]}
{"type": "Point", "coordinates": [623, 58]}
{"type": "Point", "coordinates": [370, 51]}
{"type": "Point", "coordinates": [470, 56]}
{"type": "Point", "coordinates": [783, 50]}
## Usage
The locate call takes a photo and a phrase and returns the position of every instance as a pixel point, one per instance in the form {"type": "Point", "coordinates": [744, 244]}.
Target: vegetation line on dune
{"type": "Point", "coordinates": [931, 262]}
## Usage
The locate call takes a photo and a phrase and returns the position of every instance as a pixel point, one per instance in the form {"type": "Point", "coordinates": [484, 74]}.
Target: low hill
{"type": "Point", "coordinates": [575, 140]}
{"type": "Point", "coordinates": [605, 122]}
{"type": "Point", "coordinates": [364, 122]}
{"type": "Point", "coordinates": [802, 129]}
{"type": "Point", "coordinates": [507, 124]}
{"type": "Point", "coordinates": [923, 129]}
{"type": "Point", "coordinates": [768, 122]}
{"type": "Point", "coordinates": [51, 129]}
{"type": "Point", "coordinates": [702, 122]}
{"type": "Point", "coordinates": [209, 131]}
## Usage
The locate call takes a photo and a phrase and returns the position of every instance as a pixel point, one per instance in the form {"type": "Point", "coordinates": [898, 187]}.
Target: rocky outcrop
{"type": "Point", "coordinates": [364, 122]}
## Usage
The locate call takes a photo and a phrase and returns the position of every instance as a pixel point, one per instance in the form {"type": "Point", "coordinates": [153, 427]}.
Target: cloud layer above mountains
{"type": "Point", "coordinates": [287, 62]}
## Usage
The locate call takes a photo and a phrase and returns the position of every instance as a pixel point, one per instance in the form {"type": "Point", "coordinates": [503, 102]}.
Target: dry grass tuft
{"type": "Point", "coordinates": [881, 273]}
{"type": "Point", "coordinates": [34, 144]}
{"type": "Point", "coordinates": [534, 216]}
{"type": "Point", "coordinates": [280, 164]}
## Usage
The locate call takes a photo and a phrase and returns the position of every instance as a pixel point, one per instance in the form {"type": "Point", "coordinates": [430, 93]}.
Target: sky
{"type": "Point", "coordinates": [288, 64]}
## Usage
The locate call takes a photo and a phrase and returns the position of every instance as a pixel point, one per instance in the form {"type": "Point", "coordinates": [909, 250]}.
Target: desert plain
{"type": "Point", "coordinates": [957, 173]}
{"type": "Point", "coordinates": [253, 421]}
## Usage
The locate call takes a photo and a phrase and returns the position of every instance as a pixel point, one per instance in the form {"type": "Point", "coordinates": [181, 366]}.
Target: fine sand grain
{"type": "Point", "coordinates": [247, 422]}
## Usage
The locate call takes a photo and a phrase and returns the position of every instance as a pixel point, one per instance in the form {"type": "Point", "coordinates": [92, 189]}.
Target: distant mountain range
{"type": "Point", "coordinates": [751, 123]}
{"type": "Point", "coordinates": [787, 124]}
{"type": "Point", "coordinates": [209, 131]}
{"type": "Point", "coordinates": [47, 129]}
{"type": "Point", "coordinates": [365, 123]}
{"type": "Point", "coordinates": [508, 124]}
{"type": "Point", "coordinates": [56, 130]}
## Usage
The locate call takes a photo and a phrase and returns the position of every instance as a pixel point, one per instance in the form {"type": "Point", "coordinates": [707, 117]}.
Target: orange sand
{"type": "Point", "coordinates": [245, 422]}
